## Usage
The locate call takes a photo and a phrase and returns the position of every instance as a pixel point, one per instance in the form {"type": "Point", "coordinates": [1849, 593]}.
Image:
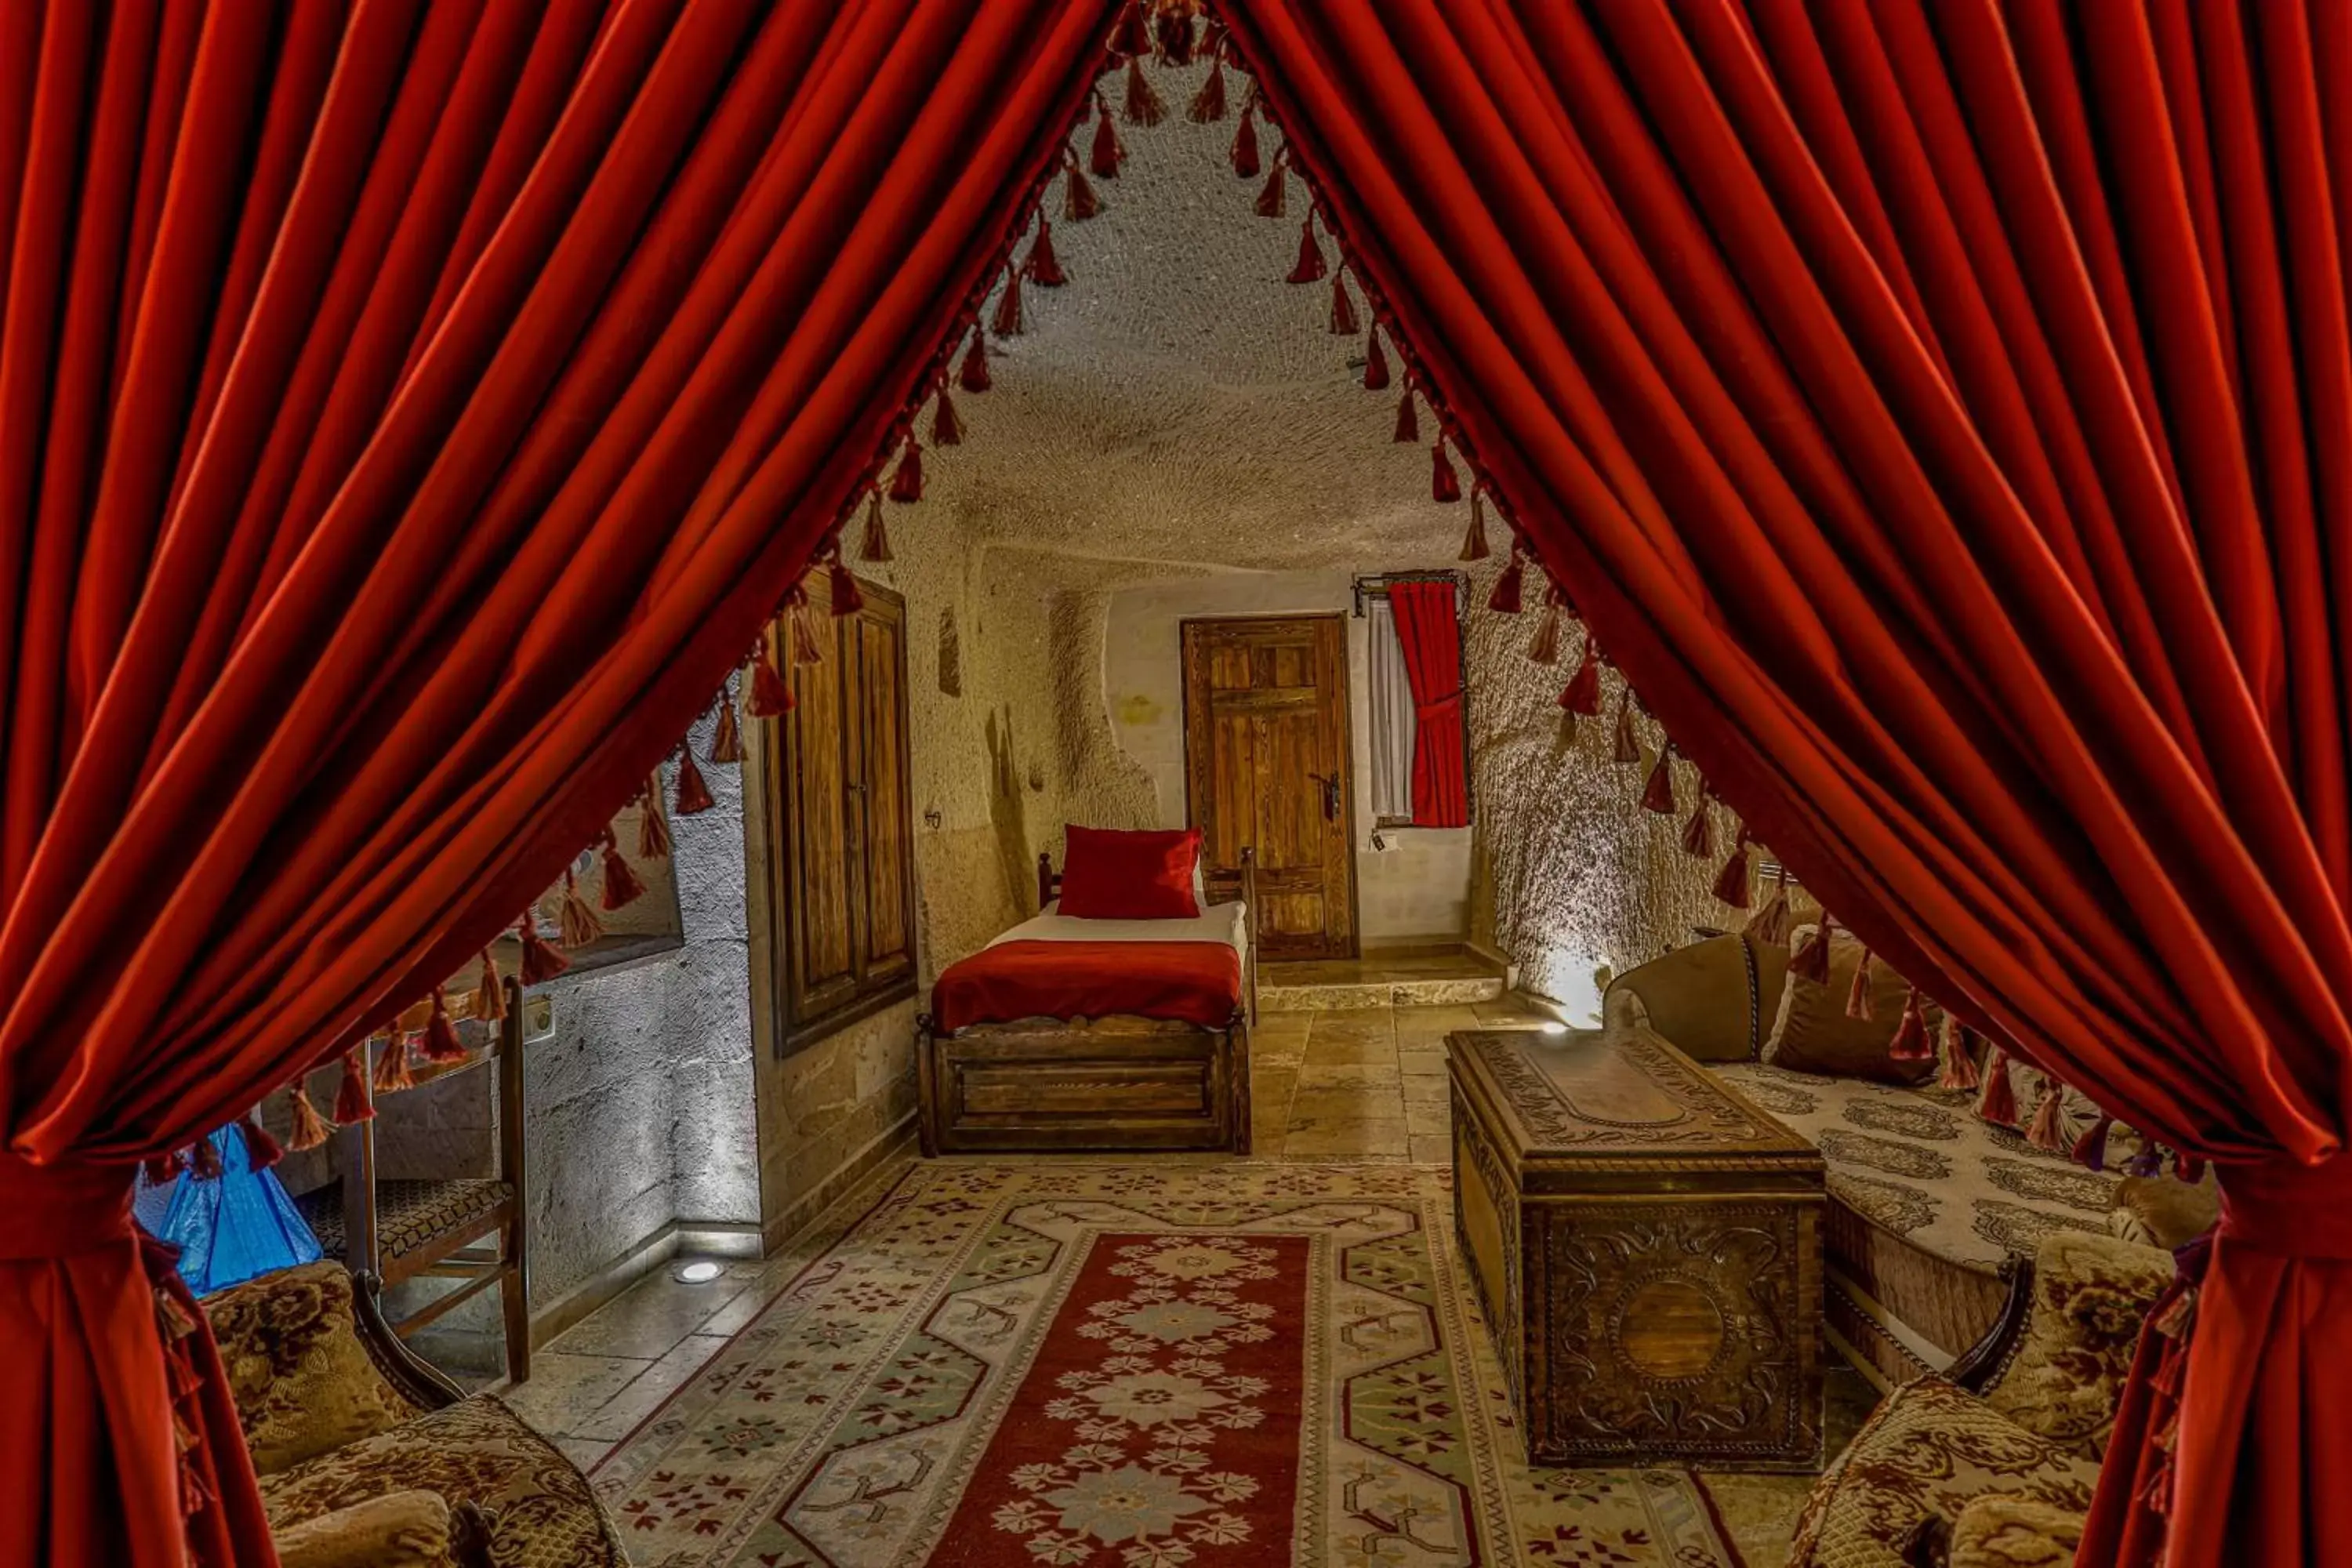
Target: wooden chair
{"type": "Point", "coordinates": [470, 1228]}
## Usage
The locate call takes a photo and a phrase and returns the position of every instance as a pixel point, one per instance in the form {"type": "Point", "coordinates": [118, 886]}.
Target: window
{"type": "Point", "coordinates": [842, 824]}
{"type": "Point", "coordinates": [1396, 713]}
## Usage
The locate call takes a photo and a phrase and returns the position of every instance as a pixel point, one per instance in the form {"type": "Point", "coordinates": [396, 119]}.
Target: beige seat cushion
{"type": "Point", "coordinates": [1926, 1452]}
{"type": "Point", "coordinates": [302, 1381]}
{"type": "Point", "coordinates": [2091, 1294]}
{"type": "Point", "coordinates": [1812, 1034]}
{"type": "Point", "coordinates": [2013, 1532]}
{"type": "Point", "coordinates": [542, 1513]}
{"type": "Point", "coordinates": [398, 1530]}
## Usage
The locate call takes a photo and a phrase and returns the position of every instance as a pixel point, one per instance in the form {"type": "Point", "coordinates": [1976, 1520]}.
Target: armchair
{"type": "Point", "coordinates": [369, 1458]}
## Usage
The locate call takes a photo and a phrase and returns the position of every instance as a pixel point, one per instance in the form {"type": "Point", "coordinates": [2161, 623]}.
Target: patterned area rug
{"type": "Point", "coordinates": [1128, 1367]}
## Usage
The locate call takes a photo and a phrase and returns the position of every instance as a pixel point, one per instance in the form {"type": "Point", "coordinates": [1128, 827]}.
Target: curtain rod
{"type": "Point", "coordinates": [1378, 582]}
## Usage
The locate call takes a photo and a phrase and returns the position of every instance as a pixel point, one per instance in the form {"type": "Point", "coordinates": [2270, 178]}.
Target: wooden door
{"type": "Point", "coordinates": [1266, 762]}
{"type": "Point", "coordinates": [839, 805]}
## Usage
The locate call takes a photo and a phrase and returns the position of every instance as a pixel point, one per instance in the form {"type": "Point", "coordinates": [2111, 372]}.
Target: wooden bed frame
{"type": "Point", "coordinates": [1116, 1084]}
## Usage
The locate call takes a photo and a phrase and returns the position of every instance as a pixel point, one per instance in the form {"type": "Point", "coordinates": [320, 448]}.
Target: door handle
{"type": "Point", "coordinates": [1330, 787]}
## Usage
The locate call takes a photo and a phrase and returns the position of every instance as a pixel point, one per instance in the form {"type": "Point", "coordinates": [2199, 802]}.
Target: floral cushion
{"type": "Point", "coordinates": [2013, 1532]}
{"type": "Point", "coordinates": [541, 1513]}
{"type": "Point", "coordinates": [302, 1381]}
{"type": "Point", "coordinates": [2091, 1294]}
{"type": "Point", "coordinates": [1927, 1451]}
{"type": "Point", "coordinates": [398, 1530]}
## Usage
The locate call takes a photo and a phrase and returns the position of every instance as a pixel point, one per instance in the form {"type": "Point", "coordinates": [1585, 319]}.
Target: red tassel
{"type": "Point", "coordinates": [726, 735]}
{"type": "Point", "coordinates": [1245, 152]}
{"type": "Point", "coordinates": [1583, 693]}
{"type": "Point", "coordinates": [440, 1042]}
{"type": "Point", "coordinates": [799, 625]}
{"type": "Point", "coordinates": [693, 796]}
{"type": "Point", "coordinates": [1812, 956]}
{"type": "Point", "coordinates": [1107, 152]}
{"type": "Point", "coordinates": [2091, 1149]}
{"type": "Point", "coordinates": [1699, 830]}
{"type": "Point", "coordinates": [1045, 268]}
{"type": "Point", "coordinates": [906, 485]}
{"type": "Point", "coordinates": [351, 1101]}
{"type": "Point", "coordinates": [1079, 202]}
{"type": "Point", "coordinates": [653, 829]}
{"type": "Point", "coordinates": [1376, 365]}
{"type": "Point", "coordinates": [768, 696]}
{"type": "Point", "coordinates": [1133, 34]}
{"type": "Point", "coordinates": [847, 598]}
{"type": "Point", "coordinates": [1731, 882]}
{"type": "Point", "coordinates": [391, 1073]}
{"type": "Point", "coordinates": [1445, 484]}
{"type": "Point", "coordinates": [310, 1128]}
{"type": "Point", "coordinates": [1209, 103]}
{"type": "Point", "coordinates": [1344, 324]}
{"type": "Point", "coordinates": [1274, 196]}
{"type": "Point", "coordinates": [1912, 1043]}
{"type": "Point", "coordinates": [2188, 1167]}
{"type": "Point", "coordinates": [1473, 538]}
{"type": "Point", "coordinates": [576, 923]}
{"type": "Point", "coordinates": [1544, 646]}
{"type": "Point", "coordinates": [947, 430]}
{"type": "Point", "coordinates": [1008, 322]}
{"type": "Point", "coordinates": [1998, 1103]}
{"type": "Point", "coordinates": [1857, 995]}
{"type": "Point", "coordinates": [542, 962]}
{"type": "Point", "coordinates": [262, 1149]}
{"type": "Point", "coordinates": [1959, 1059]}
{"type": "Point", "coordinates": [1408, 425]}
{"type": "Point", "coordinates": [621, 885]}
{"type": "Point", "coordinates": [161, 1170]}
{"type": "Point", "coordinates": [1309, 268]}
{"type": "Point", "coordinates": [876, 545]}
{"type": "Point", "coordinates": [2049, 1129]}
{"type": "Point", "coordinates": [1625, 745]}
{"type": "Point", "coordinates": [489, 993]}
{"type": "Point", "coordinates": [1505, 598]}
{"type": "Point", "coordinates": [1143, 105]}
{"type": "Point", "coordinates": [204, 1161]}
{"type": "Point", "coordinates": [974, 376]}
{"type": "Point", "coordinates": [1658, 793]}
{"type": "Point", "coordinates": [1176, 37]}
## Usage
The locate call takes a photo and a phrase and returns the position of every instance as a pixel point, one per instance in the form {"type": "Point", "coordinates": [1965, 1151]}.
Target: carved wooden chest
{"type": "Point", "coordinates": [1647, 1245]}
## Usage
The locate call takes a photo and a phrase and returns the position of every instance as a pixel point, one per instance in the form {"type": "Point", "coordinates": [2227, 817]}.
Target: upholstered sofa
{"type": "Point", "coordinates": [1930, 1205]}
{"type": "Point", "coordinates": [369, 1458]}
{"type": "Point", "coordinates": [1995, 1462]}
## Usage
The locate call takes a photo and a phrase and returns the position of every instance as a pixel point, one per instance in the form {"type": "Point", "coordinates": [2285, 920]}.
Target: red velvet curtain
{"type": "Point", "coordinates": [1943, 414]}
{"type": "Point", "coordinates": [1431, 634]}
{"type": "Point", "coordinates": [408, 413]}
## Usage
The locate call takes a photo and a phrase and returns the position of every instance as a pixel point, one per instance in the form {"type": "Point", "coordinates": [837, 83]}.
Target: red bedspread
{"type": "Point", "coordinates": [1194, 981]}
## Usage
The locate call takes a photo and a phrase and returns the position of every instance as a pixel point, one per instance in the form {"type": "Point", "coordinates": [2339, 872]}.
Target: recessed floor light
{"type": "Point", "coordinates": [1554, 1027]}
{"type": "Point", "coordinates": [702, 1271]}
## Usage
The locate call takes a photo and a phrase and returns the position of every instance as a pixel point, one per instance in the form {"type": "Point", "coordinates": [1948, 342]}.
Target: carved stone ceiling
{"type": "Point", "coordinates": [1177, 401]}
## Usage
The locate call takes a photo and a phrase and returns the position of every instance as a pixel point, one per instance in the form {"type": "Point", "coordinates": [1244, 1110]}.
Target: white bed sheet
{"type": "Point", "coordinates": [1227, 923]}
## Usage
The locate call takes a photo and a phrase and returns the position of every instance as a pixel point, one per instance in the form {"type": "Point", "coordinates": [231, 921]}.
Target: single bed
{"type": "Point", "coordinates": [1071, 1034]}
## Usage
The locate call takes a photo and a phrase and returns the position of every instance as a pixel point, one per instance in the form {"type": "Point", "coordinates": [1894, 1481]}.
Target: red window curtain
{"type": "Point", "coordinates": [1943, 414]}
{"type": "Point", "coordinates": [408, 413]}
{"type": "Point", "coordinates": [1431, 639]}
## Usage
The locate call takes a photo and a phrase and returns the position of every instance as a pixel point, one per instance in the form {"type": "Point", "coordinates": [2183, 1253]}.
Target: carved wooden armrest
{"type": "Point", "coordinates": [415, 1379]}
{"type": "Point", "coordinates": [1981, 1366]}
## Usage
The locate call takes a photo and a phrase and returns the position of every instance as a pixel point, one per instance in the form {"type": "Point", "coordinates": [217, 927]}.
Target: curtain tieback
{"type": "Point", "coordinates": [2287, 1207]}
{"type": "Point", "coordinates": [55, 1211]}
{"type": "Point", "coordinates": [1438, 707]}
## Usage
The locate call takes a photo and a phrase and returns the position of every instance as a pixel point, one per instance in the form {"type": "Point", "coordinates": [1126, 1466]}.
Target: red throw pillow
{"type": "Point", "coordinates": [1108, 875]}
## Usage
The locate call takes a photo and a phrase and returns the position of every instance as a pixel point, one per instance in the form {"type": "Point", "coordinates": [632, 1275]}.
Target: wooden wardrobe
{"type": "Point", "coordinates": [841, 825]}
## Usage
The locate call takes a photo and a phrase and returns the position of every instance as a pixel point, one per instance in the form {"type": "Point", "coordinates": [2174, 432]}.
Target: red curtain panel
{"type": "Point", "coordinates": [1432, 638]}
{"type": "Point", "coordinates": [1943, 414]}
{"type": "Point", "coordinates": [407, 415]}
